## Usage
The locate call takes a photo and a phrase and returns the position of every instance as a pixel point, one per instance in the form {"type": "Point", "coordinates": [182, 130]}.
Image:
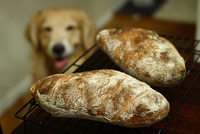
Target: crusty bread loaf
{"type": "Point", "coordinates": [144, 55]}
{"type": "Point", "coordinates": [102, 95]}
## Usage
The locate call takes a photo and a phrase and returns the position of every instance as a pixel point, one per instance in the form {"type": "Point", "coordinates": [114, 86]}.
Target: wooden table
{"type": "Point", "coordinates": [184, 117]}
{"type": "Point", "coordinates": [160, 26]}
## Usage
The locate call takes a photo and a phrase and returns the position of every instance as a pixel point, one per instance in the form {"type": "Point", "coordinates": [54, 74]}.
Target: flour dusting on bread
{"type": "Point", "coordinates": [144, 55]}
{"type": "Point", "coordinates": [103, 95]}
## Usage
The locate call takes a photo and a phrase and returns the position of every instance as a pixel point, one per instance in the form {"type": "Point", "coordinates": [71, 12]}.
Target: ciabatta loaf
{"type": "Point", "coordinates": [144, 55]}
{"type": "Point", "coordinates": [104, 95]}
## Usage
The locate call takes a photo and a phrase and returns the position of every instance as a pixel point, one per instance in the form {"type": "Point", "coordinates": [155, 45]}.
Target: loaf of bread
{"type": "Point", "coordinates": [102, 95]}
{"type": "Point", "coordinates": [144, 55]}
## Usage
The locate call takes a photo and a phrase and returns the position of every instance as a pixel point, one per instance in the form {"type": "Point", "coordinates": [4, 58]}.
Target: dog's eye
{"type": "Point", "coordinates": [47, 29]}
{"type": "Point", "coordinates": [70, 28]}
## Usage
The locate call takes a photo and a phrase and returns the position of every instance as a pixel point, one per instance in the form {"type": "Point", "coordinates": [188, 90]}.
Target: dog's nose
{"type": "Point", "coordinates": [58, 49]}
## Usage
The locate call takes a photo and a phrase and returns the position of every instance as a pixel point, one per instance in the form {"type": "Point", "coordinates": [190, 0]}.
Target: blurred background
{"type": "Point", "coordinates": [15, 51]}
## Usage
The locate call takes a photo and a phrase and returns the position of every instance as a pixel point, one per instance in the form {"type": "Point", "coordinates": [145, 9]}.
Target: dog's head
{"type": "Point", "coordinates": [57, 32]}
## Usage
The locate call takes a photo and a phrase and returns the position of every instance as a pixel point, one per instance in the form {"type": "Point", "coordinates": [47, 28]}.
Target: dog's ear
{"type": "Point", "coordinates": [88, 31]}
{"type": "Point", "coordinates": [32, 28]}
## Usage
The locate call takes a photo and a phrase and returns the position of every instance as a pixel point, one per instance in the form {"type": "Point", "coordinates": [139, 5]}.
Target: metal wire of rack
{"type": "Point", "coordinates": [32, 113]}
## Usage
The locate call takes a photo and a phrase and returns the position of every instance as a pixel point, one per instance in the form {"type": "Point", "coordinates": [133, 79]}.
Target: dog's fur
{"type": "Point", "coordinates": [71, 29]}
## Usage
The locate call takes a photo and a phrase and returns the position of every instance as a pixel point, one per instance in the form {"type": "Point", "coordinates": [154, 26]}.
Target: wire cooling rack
{"type": "Point", "coordinates": [32, 113]}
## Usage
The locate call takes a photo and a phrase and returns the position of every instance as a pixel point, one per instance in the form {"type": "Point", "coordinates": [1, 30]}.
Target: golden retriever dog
{"type": "Point", "coordinates": [58, 36]}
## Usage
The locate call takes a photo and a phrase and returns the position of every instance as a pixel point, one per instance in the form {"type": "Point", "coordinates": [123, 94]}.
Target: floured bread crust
{"type": "Point", "coordinates": [144, 55]}
{"type": "Point", "coordinates": [104, 95]}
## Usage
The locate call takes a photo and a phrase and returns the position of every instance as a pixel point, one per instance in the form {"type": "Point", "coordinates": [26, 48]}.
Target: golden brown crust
{"type": "Point", "coordinates": [144, 55]}
{"type": "Point", "coordinates": [102, 95]}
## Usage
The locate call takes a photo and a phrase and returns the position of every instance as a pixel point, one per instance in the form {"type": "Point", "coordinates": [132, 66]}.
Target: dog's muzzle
{"type": "Point", "coordinates": [59, 51]}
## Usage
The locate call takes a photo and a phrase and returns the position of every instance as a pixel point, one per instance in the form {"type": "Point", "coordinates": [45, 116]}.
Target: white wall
{"type": "Point", "coordinates": [198, 28]}
{"type": "Point", "coordinates": [15, 50]}
{"type": "Point", "coordinates": [178, 10]}
{"type": "Point", "coordinates": [198, 22]}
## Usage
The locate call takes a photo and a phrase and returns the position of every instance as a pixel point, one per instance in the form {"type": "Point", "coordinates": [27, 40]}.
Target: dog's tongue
{"type": "Point", "coordinates": [60, 64]}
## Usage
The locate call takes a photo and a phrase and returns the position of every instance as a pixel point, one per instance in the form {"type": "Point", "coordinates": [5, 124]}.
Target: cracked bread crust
{"type": "Point", "coordinates": [144, 55]}
{"type": "Point", "coordinates": [102, 95]}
